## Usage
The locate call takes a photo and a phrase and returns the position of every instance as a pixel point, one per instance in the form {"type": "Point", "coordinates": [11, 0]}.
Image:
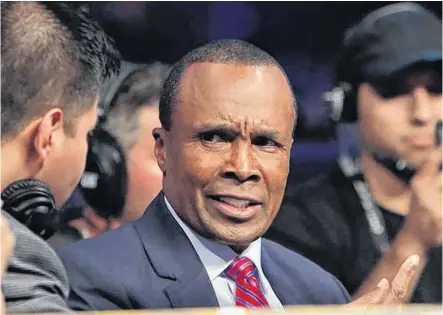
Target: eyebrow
{"type": "Point", "coordinates": [230, 129]}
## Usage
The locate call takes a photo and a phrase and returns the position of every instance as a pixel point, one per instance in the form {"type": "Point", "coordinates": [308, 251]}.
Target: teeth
{"type": "Point", "coordinates": [235, 202]}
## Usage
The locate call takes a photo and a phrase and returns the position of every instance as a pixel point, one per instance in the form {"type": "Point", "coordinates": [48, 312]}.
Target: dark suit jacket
{"type": "Point", "coordinates": [151, 264]}
{"type": "Point", "coordinates": [35, 280]}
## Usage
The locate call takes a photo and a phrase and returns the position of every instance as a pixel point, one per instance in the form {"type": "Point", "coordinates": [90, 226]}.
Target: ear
{"type": "Point", "coordinates": [160, 135]}
{"type": "Point", "coordinates": [49, 133]}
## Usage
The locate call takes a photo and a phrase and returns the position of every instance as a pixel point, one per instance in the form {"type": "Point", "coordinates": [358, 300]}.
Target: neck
{"type": "Point", "coordinates": [387, 190]}
{"type": "Point", "coordinates": [13, 168]}
{"type": "Point", "coordinates": [239, 249]}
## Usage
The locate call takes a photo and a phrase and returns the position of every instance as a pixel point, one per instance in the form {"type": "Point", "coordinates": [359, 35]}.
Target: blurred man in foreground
{"type": "Point", "coordinates": [53, 60]}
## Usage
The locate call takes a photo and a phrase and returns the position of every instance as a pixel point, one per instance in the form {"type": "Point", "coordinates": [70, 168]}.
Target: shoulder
{"type": "Point", "coordinates": [101, 269]}
{"type": "Point", "coordinates": [113, 258]}
{"type": "Point", "coordinates": [36, 280]}
{"type": "Point", "coordinates": [17, 227]}
{"type": "Point", "coordinates": [105, 249]}
{"type": "Point", "coordinates": [31, 249]}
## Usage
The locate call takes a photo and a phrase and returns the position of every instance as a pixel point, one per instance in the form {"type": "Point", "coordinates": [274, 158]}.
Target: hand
{"type": "Point", "coordinates": [394, 293]}
{"type": "Point", "coordinates": [424, 220]}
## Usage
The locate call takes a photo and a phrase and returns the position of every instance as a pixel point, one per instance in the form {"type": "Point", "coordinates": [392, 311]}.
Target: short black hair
{"type": "Point", "coordinates": [52, 55]}
{"type": "Point", "coordinates": [226, 51]}
{"type": "Point", "coordinates": [141, 88]}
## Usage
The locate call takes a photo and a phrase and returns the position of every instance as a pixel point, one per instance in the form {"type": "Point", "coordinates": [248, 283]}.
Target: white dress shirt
{"type": "Point", "coordinates": [216, 257]}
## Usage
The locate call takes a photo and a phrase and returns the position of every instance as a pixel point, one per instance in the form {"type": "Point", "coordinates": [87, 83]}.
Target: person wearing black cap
{"type": "Point", "coordinates": [361, 220]}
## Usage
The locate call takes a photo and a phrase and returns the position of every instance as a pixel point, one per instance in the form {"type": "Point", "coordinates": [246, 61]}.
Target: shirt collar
{"type": "Point", "coordinates": [214, 256]}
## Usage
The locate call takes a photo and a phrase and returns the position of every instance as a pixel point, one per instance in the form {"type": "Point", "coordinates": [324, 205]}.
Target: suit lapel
{"type": "Point", "coordinates": [279, 278]}
{"type": "Point", "coordinates": [173, 257]}
{"type": "Point", "coordinates": [192, 291]}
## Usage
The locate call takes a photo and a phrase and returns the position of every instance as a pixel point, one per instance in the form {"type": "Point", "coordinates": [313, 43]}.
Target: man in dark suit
{"type": "Point", "coordinates": [54, 58]}
{"type": "Point", "coordinates": [228, 115]}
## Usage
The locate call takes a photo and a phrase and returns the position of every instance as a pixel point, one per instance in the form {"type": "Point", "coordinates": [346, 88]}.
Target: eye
{"type": "Point", "coordinates": [264, 142]}
{"type": "Point", "coordinates": [390, 89]}
{"type": "Point", "coordinates": [215, 137]}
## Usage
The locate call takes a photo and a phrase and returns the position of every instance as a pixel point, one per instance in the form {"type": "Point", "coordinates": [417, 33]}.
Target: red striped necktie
{"type": "Point", "coordinates": [247, 292]}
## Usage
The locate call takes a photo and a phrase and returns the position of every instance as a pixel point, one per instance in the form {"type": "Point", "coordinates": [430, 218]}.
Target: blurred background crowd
{"type": "Point", "coordinates": [303, 36]}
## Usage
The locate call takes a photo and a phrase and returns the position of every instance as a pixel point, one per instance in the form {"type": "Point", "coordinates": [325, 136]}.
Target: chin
{"type": "Point", "coordinates": [236, 236]}
{"type": "Point", "coordinates": [417, 161]}
{"type": "Point", "coordinates": [236, 242]}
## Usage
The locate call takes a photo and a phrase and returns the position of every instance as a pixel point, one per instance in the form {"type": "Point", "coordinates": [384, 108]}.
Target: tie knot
{"type": "Point", "coordinates": [241, 269]}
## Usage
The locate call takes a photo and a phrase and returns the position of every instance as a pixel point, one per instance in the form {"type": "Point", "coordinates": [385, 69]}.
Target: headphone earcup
{"type": "Point", "coordinates": [341, 104]}
{"type": "Point", "coordinates": [32, 203]}
{"type": "Point", "coordinates": [349, 113]}
{"type": "Point", "coordinates": [104, 182]}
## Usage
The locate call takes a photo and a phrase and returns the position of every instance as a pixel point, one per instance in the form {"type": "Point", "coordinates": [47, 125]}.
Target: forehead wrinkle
{"type": "Point", "coordinates": [245, 126]}
{"type": "Point", "coordinates": [195, 92]}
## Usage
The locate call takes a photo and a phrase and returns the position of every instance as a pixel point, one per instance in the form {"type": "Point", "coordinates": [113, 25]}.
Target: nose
{"type": "Point", "coordinates": [242, 165]}
{"type": "Point", "coordinates": [422, 108]}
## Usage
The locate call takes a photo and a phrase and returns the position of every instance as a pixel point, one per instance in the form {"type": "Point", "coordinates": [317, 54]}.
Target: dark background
{"type": "Point", "coordinates": [303, 36]}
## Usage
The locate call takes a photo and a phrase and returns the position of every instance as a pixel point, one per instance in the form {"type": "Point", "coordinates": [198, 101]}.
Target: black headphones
{"type": "Point", "coordinates": [104, 181]}
{"type": "Point", "coordinates": [31, 202]}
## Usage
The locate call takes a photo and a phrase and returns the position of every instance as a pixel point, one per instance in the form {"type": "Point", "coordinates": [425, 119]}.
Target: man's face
{"type": "Point", "coordinates": [144, 175]}
{"type": "Point", "coordinates": [398, 116]}
{"type": "Point", "coordinates": [226, 158]}
{"type": "Point", "coordinates": [64, 165]}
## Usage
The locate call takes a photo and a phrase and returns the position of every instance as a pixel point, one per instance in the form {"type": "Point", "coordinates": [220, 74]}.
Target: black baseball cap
{"type": "Point", "coordinates": [388, 40]}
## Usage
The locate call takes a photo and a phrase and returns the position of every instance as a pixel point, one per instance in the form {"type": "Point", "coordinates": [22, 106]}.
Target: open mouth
{"type": "Point", "coordinates": [235, 207]}
{"type": "Point", "coordinates": [235, 202]}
